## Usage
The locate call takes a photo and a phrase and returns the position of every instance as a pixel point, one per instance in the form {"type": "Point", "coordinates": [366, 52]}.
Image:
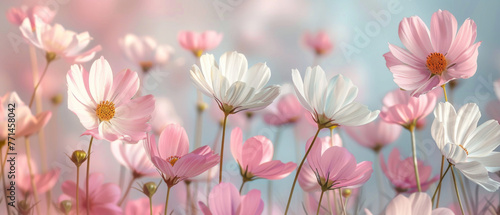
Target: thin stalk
{"type": "Point", "coordinates": [222, 146]}
{"type": "Point", "coordinates": [335, 202]}
{"type": "Point", "coordinates": [440, 175]}
{"type": "Point", "coordinates": [77, 189]}
{"type": "Point", "coordinates": [439, 184]}
{"type": "Point", "coordinates": [122, 174]}
{"type": "Point", "coordinates": [215, 149]}
{"type": "Point", "coordinates": [150, 206]}
{"type": "Point", "coordinates": [3, 175]}
{"type": "Point", "coordinates": [444, 91]}
{"type": "Point", "coordinates": [378, 176]}
{"type": "Point", "coordinates": [38, 84]}
{"type": "Point", "coordinates": [342, 202]}
{"type": "Point", "coordinates": [270, 182]}
{"type": "Point", "coordinates": [87, 179]}
{"type": "Point", "coordinates": [199, 118]}
{"type": "Point", "coordinates": [414, 150]}
{"type": "Point", "coordinates": [128, 189]}
{"type": "Point", "coordinates": [188, 196]}
{"type": "Point", "coordinates": [329, 203]}
{"type": "Point", "coordinates": [300, 167]}
{"type": "Point", "coordinates": [166, 201]}
{"type": "Point", "coordinates": [32, 174]}
{"type": "Point", "coordinates": [242, 184]}
{"type": "Point", "coordinates": [331, 135]}
{"type": "Point", "coordinates": [466, 199]}
{"type": "Point", "coordinates": [319, 203]}
{"type": "Point", "coordinates": [456, 190]}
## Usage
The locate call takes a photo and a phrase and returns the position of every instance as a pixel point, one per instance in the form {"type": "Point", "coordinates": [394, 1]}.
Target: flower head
{"type": "Point", "coordinates": [336, 167]}
{"type": "Point", "coordinates": [331, 103]}
{"type": "Point", "coordinates": [224, 199]}
{"type": "Point", "coordinates": [255, 158]}
{"type": "Point", "coordinates": [171, 157]}
{"type": "Point", "coordinates": [320, 42]}
{"type": "Point", "coordinates": [403, 109]}
{"type": "Point", "coordinates": [144, 51]}
{"type": "Point", "coordinates": [134, 157]}
{"type": "Point", "coordinates": [16, 16]}
{"type": "Point", "coordinates": [103, 103]}
{"type": "Point", "coordinates": [402, 175]}
{"type": "Point", "coordinates": [433, 58]}
{"type": "Point", "coordinates": [103, 197]}
{"type": "Point", "coordinates": [374, 135]}
{"type": "Point", "coordinates": [466, 145]}
{"type": "Point", "coordinates": [287, 111]}
{"type": "Point", "coordinates": [58, 42]}
{"type": "Point", "coordinates": [235, 87]}
{"type": "Point", "coordinates": [199, 42]}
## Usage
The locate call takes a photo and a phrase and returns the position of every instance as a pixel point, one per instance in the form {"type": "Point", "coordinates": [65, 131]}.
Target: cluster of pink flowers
{"type": "Point", "coordinates": [148, 140]}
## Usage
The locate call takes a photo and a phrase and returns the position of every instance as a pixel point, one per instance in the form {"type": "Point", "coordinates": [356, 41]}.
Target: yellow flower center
{"type": "Point", "coordinates": [146, 65]}
{"type": "Point", "coordinates": [173, 159]}
{"type": "Point", "coordinates": [467, 152]}
{"type": "Point", "coordinates": [105, 110]}
{"type": "Point", "coordinates": [436, 63]}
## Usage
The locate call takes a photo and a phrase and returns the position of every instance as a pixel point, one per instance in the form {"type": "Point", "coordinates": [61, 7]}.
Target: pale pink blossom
{"type": "Point", "coordinates": [134, 157]}
{"type": "Point", "coordinates": [163, 115]}
{"type": "Point", "coordinates": [171, 157]}
{"type": "Point", "coordinates": [374, 135]}
{"type": "Point", "coordinates": [141, 206]}
{"type": "Point", "coordinates": [307, 177]}
{"type": "Point", "coordinates": [336, 167]}
{"type": "Point", "coordinates": [433, 58]}
{"type": "Point", "coordinates": [401, 174]}
{"type": "Point", "coordinates": [288, 110]}
{"type": "Point", "coordinates": [199, 42]}
{"type": "Point", "coordinates": [103, 197]}
{"type": "Point", "coordinates": [311, 202]}
{"type": "Point", "coordinates": [224, 199]}
{"type": "Point", "coordinates": [416, 204]}
{"type": "Point", "coordinates": [319, 42]}
{"type": "Point", "coordinates": [103, 103]}
{"type": "Point", "coordinates": [16, 16]}
{"type": "Point", "coordinates": [26, 123]}
{"type": "Point", "coordinates": [57, 41]}
{"type": "Point", "coordinates": [255, 158]}
{"type": "Point", "coordinates": [145, 51]}
{"type": "Point", "coordinates": [43, 181]}
{"type": "Point", "coordinates": [403, 109]}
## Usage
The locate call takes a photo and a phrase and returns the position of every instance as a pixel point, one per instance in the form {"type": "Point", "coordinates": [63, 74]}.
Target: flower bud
{"type": "Point", "coordinates": [346, 193]}
{"type": "Point", "coordinates": [24, 207]}
{"type": "Point", "coordinates": [79, 157]}
{"type": "Point", "coordinates": [57, 99]}
{"type": "Point", "coordinates": [149, 189]}
{"type": "Point", "coordinates": [66, 206]}
{"type": "Point", "coordinates": [201, 106]}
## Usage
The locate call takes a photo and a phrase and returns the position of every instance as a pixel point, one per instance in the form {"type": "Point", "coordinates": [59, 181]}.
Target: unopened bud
{"type": "Point", "coordinates": [346, 193]}
{"type": "Point", "coordinates": [249, 114]}
{"type": "Point", "coordinates": [24, 207]}
{"type": "Point", "coordinates": [66, 206]}
{"type": "Point", "coordinates": [79, 157]}
{"type": "Point", "coordinates": [149, 189]}
{"type": "Point", "coordinates": [57, 99]}
{"type": "Point", "coordinates": [201, 106]}
{"type": "Point", "coordinates": [50, 56]}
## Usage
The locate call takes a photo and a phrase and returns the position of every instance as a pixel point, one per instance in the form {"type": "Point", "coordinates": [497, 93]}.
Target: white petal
{"type": "Point", "coordinates": [484, 139]}
{"type": "Point", "coordinates": [100, 80]}
{"type": "Point", "coordinates": [491, 161]}
{"type": "Point", "coordinates": [354, 114]}
{"type": "Point", "coordinates": [233, 66]}
{"type": "Point", "coordinates": [299, 90]}
{"type": "Point", "coordinates": [477, 173]}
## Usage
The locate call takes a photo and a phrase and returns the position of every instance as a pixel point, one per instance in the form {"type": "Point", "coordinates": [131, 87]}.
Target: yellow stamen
{"type": "Point", "coordinates": [146, 65]}
{"type": "Point", "coordinates": [467, 152]}
{"type": "Point", "coordinates": [105, 110]}
{"type": "Point", "coordinates": [173, 159]}
{"type": "Point", "coordinates": [436, 63]}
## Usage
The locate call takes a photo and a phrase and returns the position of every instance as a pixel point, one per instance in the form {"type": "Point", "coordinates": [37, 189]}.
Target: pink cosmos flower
{"type": "Point", "coordinates": [43, 181]}
{"type": "Point", "coordinates": [171, 155]}
{"type": "Point", "coordinates": [103, 103]}
{"type": "Point", "coordinates": [134, 157]}
{"type": "Point", "coordinates": [433, 58]}
{"type": "Point", "coordinates": [336, 167]}
{"type": "Point", "coordinates": [144, 51]}
{"type": "Point", "coordinates": [199, 42]}
{"type": "Point", "coordinates": [288, 110]}
{"type": "Point", "coordinates": [307, 177]}
{"type": "Point", "coordinates": [16, 16]}
{"type": "Point", "coordinates": [224, 199]}
{"type": "Point", "coordinates": [103, 197]}
{"type": "Point", "coordinates": [163, 115]}
{"type": "Point", "coordinates": [416, 203]}
{"type": "Point", "coordinates": [255, 158]}
{"type": "Point", "coordinates": [55, 40]}
{"type": "Point", "coordinates": [320, 42]}
{"type": "Point", "coordinates": [26, 123]}
{"type": "Point", "coordinates": [374, 135]}
{"type": "Point", "coordinates": [403, 109]}
{"type": "Point", "coordinates": [402, 175]}
{"type": "Point", "coordinates": [141, 206]}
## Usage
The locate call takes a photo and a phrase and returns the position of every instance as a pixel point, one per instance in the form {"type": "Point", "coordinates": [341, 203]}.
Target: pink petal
{"type": "Point", "coordinates": [236, 144]}
{"type": "Point", "coordinates": [251, 203]}
{"type": "Point", "coordinates": [125, 86]}
{"type": "Point", "coordinates": [100, 80]}
{"type": "Point", "coordinates": [414, 34]}
{"type": "Point", "coordinates": [173, 141]}
{"type": "Point", "coordinates": [443, 30]}
{"type": "Point", "coordinates": [274, 170]}
{"type": "Point", "coordinates": [224, 199]}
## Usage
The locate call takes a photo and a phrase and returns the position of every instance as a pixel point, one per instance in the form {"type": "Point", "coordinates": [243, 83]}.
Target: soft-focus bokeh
{"type": "Point", "coordinates": [265, 31]}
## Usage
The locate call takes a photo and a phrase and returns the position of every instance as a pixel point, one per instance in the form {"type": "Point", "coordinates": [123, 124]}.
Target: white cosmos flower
{"type": "Point", "coordinates": [331, 103]}
{"type": "Point", "coordinates": [232, 84]}
{"type": "Point", "coordinates": [467, 146]}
